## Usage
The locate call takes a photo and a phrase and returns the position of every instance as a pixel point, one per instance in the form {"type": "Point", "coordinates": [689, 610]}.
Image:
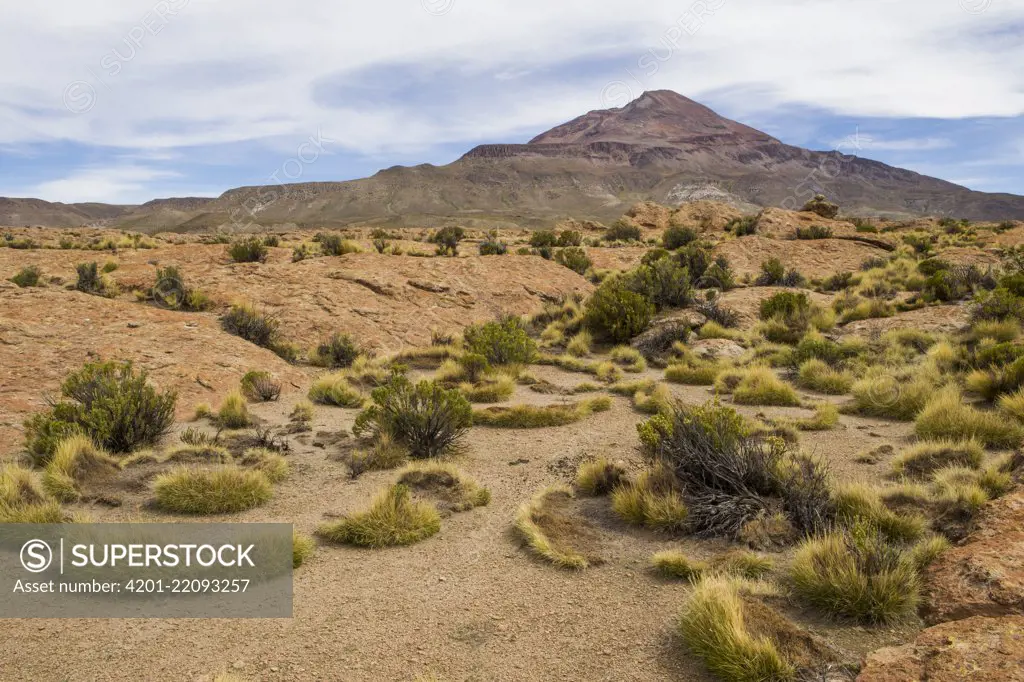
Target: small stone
{"type": "Point", "coordinates": [134, 325]}
{"type": "Point", "coordinates": [238, 665]}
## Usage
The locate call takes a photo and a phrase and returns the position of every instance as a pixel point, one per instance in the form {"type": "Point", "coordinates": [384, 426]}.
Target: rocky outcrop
{"type": "Point", "coordinates": [984, 575]}
{"type": "Point", "coordinates": [983, 649]}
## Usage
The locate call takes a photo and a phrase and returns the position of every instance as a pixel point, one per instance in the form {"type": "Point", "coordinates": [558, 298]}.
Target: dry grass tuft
{"type": "Point", "coordinates": [674, 564]}
{"type": "Point", "coordinates": [553, 533]}
{"type": "Point", "coordinates": [760, 386]}
{"type": "Point", "coordinates": [651, 501]}
{"type": "Point", "coordinates": [599, 476]}
{"type": "Point", "coordinates": [335, 390]}
{"type": "Point", "coordinates": [75, 460]}
{"type": "Point", "coordinates": [713, 625]}
{"type": "Point", "coordinates": [922, 460]}
{"type": "Point", "coordinates": [946, 417]}
{"type": "Point", "coordinates": [22, 500]}
{"type": "Point", "coordinates": [272, 464]}
{"type": "Point", "coordinates": [816, 375]}
{"type": "Point", "coordinates": [222, 490]}
{"type": "Point", "coordinates": [456, 491]}
{"type": "Point", "coordinates": [534, 417]}
{"type": "Point", "coordinates": [392, 519]}
{"type": "Point", "coordinates": [302, 548]}
{"type": "Point", "coordinates": [382, 455]}
{"type": "Point", "coordinates": [234, 411]}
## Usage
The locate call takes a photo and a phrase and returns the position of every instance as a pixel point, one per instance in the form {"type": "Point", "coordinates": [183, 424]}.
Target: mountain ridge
{"type": "Point", "coordinates": [658, 147]}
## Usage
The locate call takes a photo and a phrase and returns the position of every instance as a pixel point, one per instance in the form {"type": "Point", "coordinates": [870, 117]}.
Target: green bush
{"type": "Point", "coordinates": [773, 273]}
{"type": "Point", "coordinates": [622, 231]}
{"type": "Point", "coordinates": [617, 313]}
{"type": "Point", "coordinates": [91, 281]}
{"type": "Point", "coordinates": [28, 277]}
{"type": "Point", "coordinates": [426, 418]}
{"type": "Point", "coordinates": [331, 244]}
{"type": "Point", "coordinates": [814, 232]}
{"type": "Point", "coordinates": [492, 246]}
{"type": "Point", "coordinates": [542, 238]}
{"type": "Point", "coordinates": [792, 308]}
{"type": "Point", "coordinates": [447, 240]}
{"type": "Point", "coordinates": [574, 258]}
{"type": "Point", "coordinates": [663, 282]}
{"type": "Point", "coordinates": [260, 386]}
{"type": "Point", "coordinates": [108, 402]}
{"type": "Point", "coordinates": [245, 321]}
{"type": "Point", "coordinates": [248, 250]}
{"type": "Point", "coordinates": [570, 238]}
{"type": "Point", "coordinates": [678, 236]}
{"type": "Point", "coordinates": [170, 291]}
{"type": "Point", "coordinates": [742, 227]}
{"type": "Point", "coordinates": [999, 304]}
{"type": "Point", "coordinates": [337, 351]}
{"type": "Point", "coordinates": [502, 342]}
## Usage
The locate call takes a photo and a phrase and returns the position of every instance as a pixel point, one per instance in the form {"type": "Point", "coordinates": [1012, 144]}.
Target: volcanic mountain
{"type": "Point", "coordinates": [661, 147]}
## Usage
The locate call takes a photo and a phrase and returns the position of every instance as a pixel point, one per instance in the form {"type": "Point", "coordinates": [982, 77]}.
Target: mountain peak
{"type": "Point", "coordinates": [655, 118]}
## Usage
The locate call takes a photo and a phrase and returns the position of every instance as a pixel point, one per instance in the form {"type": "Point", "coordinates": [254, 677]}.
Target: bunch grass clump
{"type": "Point", "coordinates": [234, 411]}
{"type": "Point", "coordinates": [382, 454]}
{"type": "Point", "coordinates": [335, 390]}
{"type": "Point", "coordinates": [260, 386]}
{"type": "Point", "coordinates": [714, 626]}
{"type": "Point", "coordinates": [599, 476]}
{"type": "Point", "coordinates": [303, 547]}
{"type": "Point", "coordinates": [899, 395]}
{"type": "Point", "coordinates": [549, 532]}
{"type": "Point", "coordinates": [535, 417]}
{"type": "Point", "coordinates": [22, 499]}
{"type": "Point", "coordinates": [393, 519]}
{"type": "Point", "coordinates": [495, 390]}
{"type": "Point", "coordinates": [856, 574]}
{"type": "Point", "coordinates": [456, 491]}
{"type": "Point", "coordinates": [652, 501]}
{"type": "Point", "coordinates": [761, 386]}
{"type": "Point", "coordinates": [947, 417]}
{"type": "Point", "coordinates": [922, 460]}
{"type": "Point", "coordinates": [338, 351]}
{"type": "Point", "coordinates": [816, 375]}
{"type": "Point", "coordinates": [674, 564]}
{"type": "Point", "coordinates": [76, 458]}
{"type": "Point", "coordinates": [220, 490]}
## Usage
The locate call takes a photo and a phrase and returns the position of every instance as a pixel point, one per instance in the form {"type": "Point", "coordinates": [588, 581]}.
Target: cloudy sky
{"type": "Point", "coordinates": [127, 100]}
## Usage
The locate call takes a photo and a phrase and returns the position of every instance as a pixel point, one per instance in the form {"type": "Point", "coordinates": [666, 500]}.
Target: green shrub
{"type": "Point", "coordinates": [999, 304]}
{"type": "Point", "coordinates": [788, 306]}
{"type": "Point", "coordinates": [108, 402]}
{"type": "Point", "coordinates": [664, 282]}
{"type": "Point", "coordinates": [332, 244]}
{"type": "Point", "coordinates": [447, 240]}
{"type": "Point", "coordinates": [677, 236]}
{"type": "Point", "coordinates": [774, 273]}
{"type": "Point", "coordinates": [615, 312]}
{"type": "Point", "coordinates": [814, 232]}
{"type": "Point", "coordinates": [28, 277]}
{"type": "Point", "coordinates": [337, 351]}
{"type": "Point", "coordinates": [574, 258]}
{"type": "Point", "coordinates": [742, 227]}
{"type": "Point", "coordinates": [170, 291]}
{"type": "Point", "coordinates": [570, 238]}
{"type": "Point", "coordinates": [856, 574]}
{"type": "Point", "coordinates": [248, 250]}
{"type": "Point", "coordinates": [426, 418]}
{"type": "Point", "coordinates": [393, 519]}
{"type": "Point", "coordinates": [622, 231]}
{"type": "Point", "coordinates": [760, 386]}
{"type": "Point", "coordinates": [542, 238]}
{"type": "Point", "coordinates": [502, 342]}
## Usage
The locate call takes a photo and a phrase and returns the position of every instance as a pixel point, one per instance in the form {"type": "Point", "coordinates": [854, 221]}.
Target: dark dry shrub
{"type": "Point", "coordinates": [255, 327]}
{"type": "Point", "coordinates": [543, 238]}
{"type": "Point", "coordinates": [447, 240]}
{"type": "Point", "coordinates": [108, 402]}
{"type": "Point", "coordinates": [697, 259]}
{"type": "Point", "coordinates": [248, 250]}
{"type": "Point", "coordinates": [426, 418]}
{"type": "Point", "coordinates": [381, 245]}
{"type": "Point", "coordinates": [838, 281]}
{"type": "Point", "coordinates": [678, 236]}
{"type": "Point", "coordinates": [170, 291]}
{"type": "Point", "coordinates": [772, 273]}
{"type": "Point", "coordinates": [90, 280]}
{"type": "Point", "coordinates": [622, 231]}
{"type": "Point", "coordinates": [715, 312]}
{"type": "Point", "coordinates": [822, 206]}
{"type": "Point", "coordinates": [930, 266]}
{"type": "Point", "coordinates": [653, 255]}
{"type": "Point", "coordinates": [260, 386]}
{"type": "Point", "coordinates": [272, 240]}
{"type": "Point", "coordinates": [742, 227]}
{"type": "Point", "coordinates": [872, 263]}
{"type": "Point", "coordinates": [814, 232]}
{"type": "Point", "coordinates": [617, 313]}
{"type": "Point", "coordinates": [729, 476]}
{"type": "Point", "coordinates": [574, 258]}
{"type": "Point", "coordinates": [492, 246]}
{"type": "Point", "coordinates": [664, 282]}
{"type": "Point", "coordinates": [28, 277]}
{"type": "Point", "coordinates": [570, 238]}
{"type": "Point", "coordinates": [658, 341]}
{"type": "Point", "coordinates": [331, 243]}
{"type": "Point", "coordinates": [337, 351]}
{"type": "Point", "coordinates": [502, 342]}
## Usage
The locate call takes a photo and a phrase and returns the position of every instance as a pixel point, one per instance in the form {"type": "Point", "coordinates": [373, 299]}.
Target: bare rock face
{"type": "Point", "coordinates": [715, 349]}
{"type": "Point", "coordinates": [978, 648]}
{"type": "Point", "coordinates": [984, 576]}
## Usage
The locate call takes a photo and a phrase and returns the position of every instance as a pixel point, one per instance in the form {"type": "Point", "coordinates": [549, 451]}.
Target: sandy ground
{"type": "Point", "coordinates": [467, 604]}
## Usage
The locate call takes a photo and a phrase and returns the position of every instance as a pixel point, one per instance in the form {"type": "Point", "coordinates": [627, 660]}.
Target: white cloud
{"type": "Point", "coordinates": [115, 185]}
{"type": "Point", "coordinates": [245, 71]}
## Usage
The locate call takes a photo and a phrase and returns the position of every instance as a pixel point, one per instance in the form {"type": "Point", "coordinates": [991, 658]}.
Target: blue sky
{"type": "Point", "coordinates": [123, 101]}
